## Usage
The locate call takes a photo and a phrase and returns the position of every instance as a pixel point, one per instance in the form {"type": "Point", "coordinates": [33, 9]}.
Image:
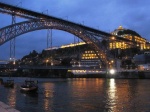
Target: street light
{"type": "Point", "coordinates": [14, 62]}
{"type": "Point", "coordinates": [112, 71]}
{"type": "Point", "coordinates": [47, 62]}
{"type": "Point", "coordinates": [52, 63]}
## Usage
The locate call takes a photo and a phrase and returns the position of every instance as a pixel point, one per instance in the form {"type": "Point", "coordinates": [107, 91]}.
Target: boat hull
{"type": "Point", "coordinates": [28, 89]}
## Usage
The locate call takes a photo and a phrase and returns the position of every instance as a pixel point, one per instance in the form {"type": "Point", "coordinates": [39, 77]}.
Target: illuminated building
{"type": "Point", "coordinates": [89, 58]}
{"type": "Point", "coordinates": [141, 42]}
{"type": "Point", "coordinates": [72, 45]}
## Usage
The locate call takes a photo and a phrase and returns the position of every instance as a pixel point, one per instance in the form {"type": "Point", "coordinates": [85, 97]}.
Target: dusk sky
{"type": "Point", "coordinates": [105, 15]}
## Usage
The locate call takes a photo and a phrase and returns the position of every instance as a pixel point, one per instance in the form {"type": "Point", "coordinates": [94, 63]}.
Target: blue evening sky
{"type": "Point", "coordinates": [105, 15]}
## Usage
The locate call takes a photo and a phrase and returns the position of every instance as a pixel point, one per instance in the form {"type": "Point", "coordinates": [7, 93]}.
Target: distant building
{"type": "Point", "coordinates": [89, 58]}
{"type": "Point", "coordinates": [143, 67]}
{"type": "Point", "coordinates": [142, 58]}
{"type": "Point", "coordinates": [142, 43]}
{"type": "Point", "coordinates": [142, 61]}
{"type": "Point", "coordinates": [73, 45]}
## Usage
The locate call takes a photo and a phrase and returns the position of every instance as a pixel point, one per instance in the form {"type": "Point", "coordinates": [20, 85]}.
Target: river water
{"type": "Point", "coordinates": [81, 95]}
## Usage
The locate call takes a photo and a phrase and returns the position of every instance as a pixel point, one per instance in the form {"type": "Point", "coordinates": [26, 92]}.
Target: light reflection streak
{"type": "Point", "coordinates": [12, 97]}
{"type": "Point", "coordinates": [112, 98]}
{"type": "Point", "coordinates": [48, 94]}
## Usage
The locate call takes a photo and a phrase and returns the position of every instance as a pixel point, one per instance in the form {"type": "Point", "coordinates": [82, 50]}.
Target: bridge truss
{"type": "Point", "coordinates": [14, 30]}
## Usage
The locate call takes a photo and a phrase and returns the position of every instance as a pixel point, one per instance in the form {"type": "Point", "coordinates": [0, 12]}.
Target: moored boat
{"type": "Point", "coordinates": [29, 86]}
{"type": "Point", "coordinates": [9, 83]}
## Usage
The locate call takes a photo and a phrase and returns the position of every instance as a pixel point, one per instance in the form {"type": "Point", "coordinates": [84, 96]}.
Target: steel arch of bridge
{"type": "Point", "coordinates": [9, 32]}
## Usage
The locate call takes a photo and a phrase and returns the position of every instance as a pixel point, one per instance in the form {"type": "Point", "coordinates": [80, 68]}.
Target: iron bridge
{"type": "Point", "coordinates": [38, 21]}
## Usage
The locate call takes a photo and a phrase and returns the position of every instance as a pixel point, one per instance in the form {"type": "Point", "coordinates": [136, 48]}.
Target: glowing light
{"type": "Point", "coordinates": [112, 71]}
{"type": "Point", "coordinates": [112, 38]}
{"type": "Point", "coordinates": [72, 45]}
{"type": "Point", "coordinates": [112, 61]}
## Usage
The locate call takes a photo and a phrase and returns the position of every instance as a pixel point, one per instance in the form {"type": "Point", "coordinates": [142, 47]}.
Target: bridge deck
{"type": "Point", "coordinates": [29, 14]}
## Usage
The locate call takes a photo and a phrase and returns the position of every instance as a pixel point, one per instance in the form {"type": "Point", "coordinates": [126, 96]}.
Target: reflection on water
{"type": "Point", "coordinates": [112, 97]}
{"type": "Point", "coordinates": [81, 95]}
{"type": "Point", "coordinates": [12, 97]}
{"type": "Point", "coordinates": [48, 96]}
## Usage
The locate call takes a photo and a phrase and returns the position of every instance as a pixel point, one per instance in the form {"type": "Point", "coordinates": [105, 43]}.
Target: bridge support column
{"type": "Point", "coordinates": [12, 43]}
{"type": "Point", "coordinates": [49, 44]}
{"type": "Point", "coordinates": [49, 38]}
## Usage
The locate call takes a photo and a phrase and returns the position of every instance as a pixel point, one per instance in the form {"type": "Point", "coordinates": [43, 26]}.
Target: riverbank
{"type": "Point", "coordinates": [120, 75]}
{"type": "Point", "coordinates": [6, 108]}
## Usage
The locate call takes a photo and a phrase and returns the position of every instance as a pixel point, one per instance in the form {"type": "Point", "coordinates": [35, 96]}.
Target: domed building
{"type": "Point", "coordinates": [130, 35]}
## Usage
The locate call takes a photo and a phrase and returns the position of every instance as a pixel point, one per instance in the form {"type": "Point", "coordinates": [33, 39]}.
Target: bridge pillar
{"type": "Point", "coordinates": [49, 38]}
{"type": "Point", "coordinates": [49, 45]}
{"type": "Point", "coordinates": [12, 43]}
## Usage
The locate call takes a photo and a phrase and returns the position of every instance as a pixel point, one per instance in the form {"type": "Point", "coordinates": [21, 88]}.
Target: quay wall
{"type": "Point", "coordinates": [130, 75]}
{"type": "Point", "coordinates": [44, 73]}
{"type": "Point", "coordinates": [119, 75]}
{"type": "Point", "coordinates": [59, 73]}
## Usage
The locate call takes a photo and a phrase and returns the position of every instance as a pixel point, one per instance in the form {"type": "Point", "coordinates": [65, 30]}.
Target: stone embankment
{"type": "Point", "coordinates": [6, 108]}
